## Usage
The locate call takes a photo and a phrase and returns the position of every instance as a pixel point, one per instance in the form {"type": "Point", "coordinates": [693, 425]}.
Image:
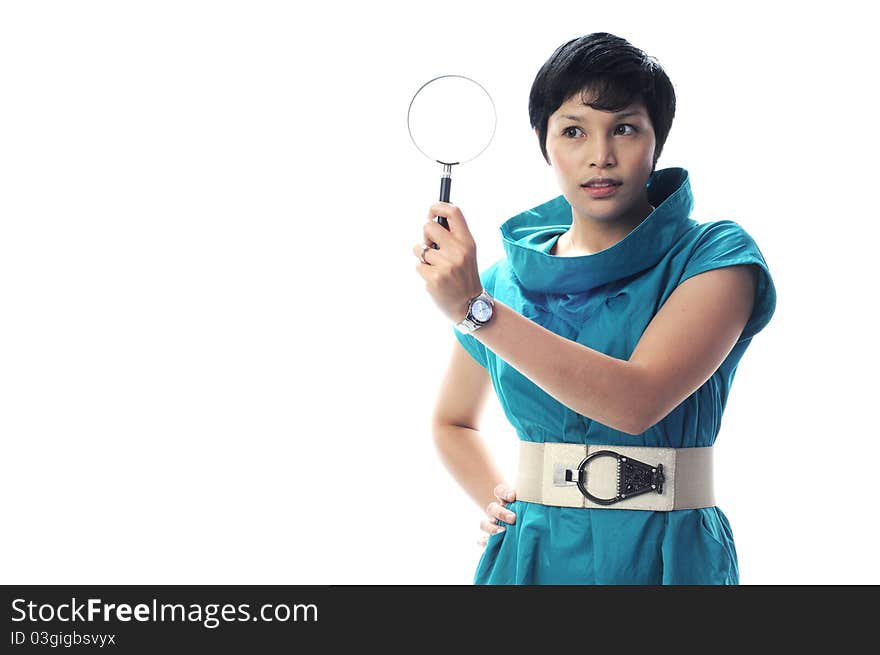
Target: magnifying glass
{"type": "Point", "coordinates": [451, 120]}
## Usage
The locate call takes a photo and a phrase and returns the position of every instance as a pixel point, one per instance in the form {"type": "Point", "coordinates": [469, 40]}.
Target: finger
{"type": "Point", "coordinates": [493, 510]}
{"type": "Point", "coordinates": [421, 252]}
{"type": "Point", "coordinates": [505, 515]}
{"type": "Point", "coordinates": [490, 526]}
{"type": "Point", "coordinates": [434, 214]}
{"type": "Point", "coordinates": [436, 233]}
{"type": "Point", "coordinates": [503, 492]}
{"type": "Point", "coordinates": [453, 215]}
{"type": "Point", "coordinates": [441, 208]}
{"type": "Point", "coordinates": [422, 271]}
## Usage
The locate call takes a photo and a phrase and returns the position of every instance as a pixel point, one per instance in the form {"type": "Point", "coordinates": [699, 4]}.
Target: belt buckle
{"type": "Point", "coordinates": [633, 477]}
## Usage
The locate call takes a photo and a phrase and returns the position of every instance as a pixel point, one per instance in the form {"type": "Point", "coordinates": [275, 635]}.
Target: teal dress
{"type": "Point", "coordinates": [605, 301]}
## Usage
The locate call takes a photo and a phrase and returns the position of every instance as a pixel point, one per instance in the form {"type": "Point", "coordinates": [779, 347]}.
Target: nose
{"type": "Point", "coordinates": [601, 153]}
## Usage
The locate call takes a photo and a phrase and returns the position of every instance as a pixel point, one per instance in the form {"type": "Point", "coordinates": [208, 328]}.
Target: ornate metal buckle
{"type": "Point", "coordinates": [633, 477]}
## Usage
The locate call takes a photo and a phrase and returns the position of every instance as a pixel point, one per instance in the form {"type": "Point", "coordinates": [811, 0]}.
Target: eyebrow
{"type": "Point", "coordinates": [623, 114]}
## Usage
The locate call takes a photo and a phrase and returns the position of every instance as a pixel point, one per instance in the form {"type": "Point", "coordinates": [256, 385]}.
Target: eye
{"type": "Point", "coordinates": [566, 132]}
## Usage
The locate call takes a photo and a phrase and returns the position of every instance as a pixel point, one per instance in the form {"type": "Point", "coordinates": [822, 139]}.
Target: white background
{"type": "Point", "coordinates": [217, 362]}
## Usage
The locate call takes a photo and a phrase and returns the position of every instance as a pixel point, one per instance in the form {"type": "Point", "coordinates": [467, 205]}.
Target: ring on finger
{"type": "Point", "coordinates": [425, 248]}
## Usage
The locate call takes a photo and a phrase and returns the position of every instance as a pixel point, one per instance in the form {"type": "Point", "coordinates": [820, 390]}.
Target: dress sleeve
{"type": "Point", "coordinates": [476, 349]}
{"type": "Point", "coordinates": [726, 243]}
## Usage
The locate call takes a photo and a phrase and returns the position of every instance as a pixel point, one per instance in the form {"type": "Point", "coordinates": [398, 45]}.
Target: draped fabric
{"type": "Point", "coordinates": [605, 300]}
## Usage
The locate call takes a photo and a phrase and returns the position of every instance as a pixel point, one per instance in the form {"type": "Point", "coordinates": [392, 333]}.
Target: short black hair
{"type": "Point", "coordinates": [618, 73]}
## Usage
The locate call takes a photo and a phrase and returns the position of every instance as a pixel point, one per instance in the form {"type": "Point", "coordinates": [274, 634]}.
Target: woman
{"type": "Point", "coordinates": [611, 333]}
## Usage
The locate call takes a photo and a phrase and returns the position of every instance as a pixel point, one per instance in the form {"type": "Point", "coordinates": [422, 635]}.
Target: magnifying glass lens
{"type": "Point", "coordinates": [451, 119]}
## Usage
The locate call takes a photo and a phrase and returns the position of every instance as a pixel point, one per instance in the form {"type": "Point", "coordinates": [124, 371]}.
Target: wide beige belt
{"type": "Point", "coordinates": [617, 477]}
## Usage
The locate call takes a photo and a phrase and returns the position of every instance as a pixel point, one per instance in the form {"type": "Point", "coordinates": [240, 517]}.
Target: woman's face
{"type": "Point", "coordinates": [583, 142]}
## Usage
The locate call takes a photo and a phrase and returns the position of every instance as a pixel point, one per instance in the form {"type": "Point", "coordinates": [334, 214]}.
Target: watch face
{"type": "Point", "coordinates": [481, 310]}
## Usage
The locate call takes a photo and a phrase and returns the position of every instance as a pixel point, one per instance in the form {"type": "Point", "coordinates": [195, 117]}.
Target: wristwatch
{"type": "Point", "coordinates": [480, 311]}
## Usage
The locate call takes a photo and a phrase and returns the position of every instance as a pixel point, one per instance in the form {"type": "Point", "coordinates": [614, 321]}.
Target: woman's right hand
{"type": "Point", "coordinates": [497, 509]}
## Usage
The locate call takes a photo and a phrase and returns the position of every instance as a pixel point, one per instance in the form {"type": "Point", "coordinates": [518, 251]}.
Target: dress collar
{"type": "Point", "coordinates": [529, 236]}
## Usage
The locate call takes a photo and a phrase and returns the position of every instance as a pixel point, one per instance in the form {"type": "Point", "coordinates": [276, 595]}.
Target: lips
{"type": "Point", "coordinates": [601, 191]}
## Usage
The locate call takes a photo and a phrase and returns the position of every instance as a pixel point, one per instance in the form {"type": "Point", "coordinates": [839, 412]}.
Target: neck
{"type": "Point", "coordinates": [586, 236]}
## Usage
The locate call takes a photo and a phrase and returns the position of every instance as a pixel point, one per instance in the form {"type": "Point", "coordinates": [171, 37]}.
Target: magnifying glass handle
{"type": "Point", "coordinates": [445, 187]}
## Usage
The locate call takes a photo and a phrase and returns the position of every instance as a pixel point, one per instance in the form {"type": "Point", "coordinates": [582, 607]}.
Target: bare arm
{"type": "Point", "coordinates": [604, 388]}
{"type": "Point", "coordinates": [691, 335]}
{"type": "Point", "coordinates": [455, 425]}
{"type": "Point", "coordinates": [681, 348]}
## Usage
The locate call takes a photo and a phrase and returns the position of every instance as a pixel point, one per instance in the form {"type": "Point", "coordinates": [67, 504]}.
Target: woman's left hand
{"type": "Point", "coordinates": [451, 274]}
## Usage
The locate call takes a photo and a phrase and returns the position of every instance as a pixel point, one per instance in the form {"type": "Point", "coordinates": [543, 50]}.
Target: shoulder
{"type": "Point", "coordinates": [719, 243]}
{"type": "Point", "coordinates": [714, 233]}
{"type": "Point", "coordinates": [724, 244]}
